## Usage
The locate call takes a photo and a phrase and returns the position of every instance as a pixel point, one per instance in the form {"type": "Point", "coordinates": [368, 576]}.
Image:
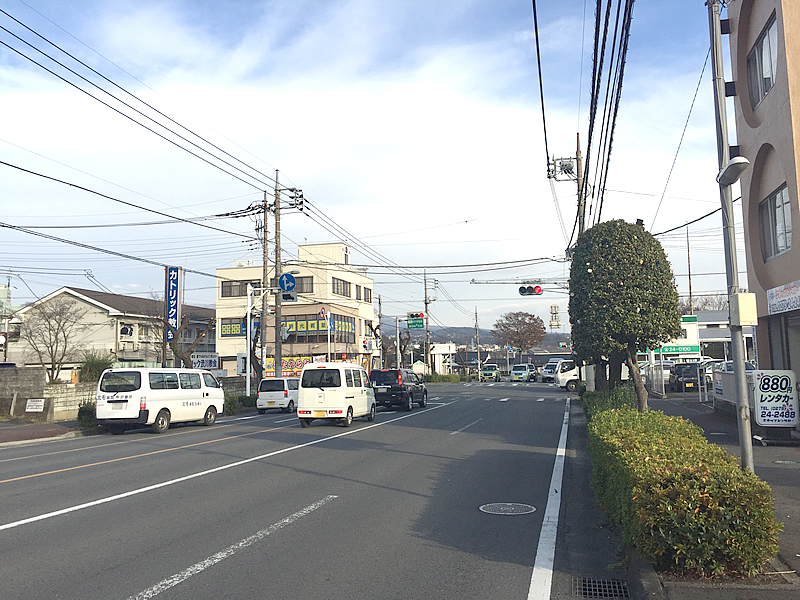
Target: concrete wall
{"type": "Point", "coordinates": [17, 386]}
{"type": "Point", "coordinates": [65, 399]}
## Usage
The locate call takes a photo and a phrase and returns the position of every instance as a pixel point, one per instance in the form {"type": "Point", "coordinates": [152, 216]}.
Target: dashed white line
{"type": "Point", "coordinates": [212, 560]}
{"type": "Point", "coordinates": [466, 427]}
{"type": "Point", "coordinates": [540, 400]}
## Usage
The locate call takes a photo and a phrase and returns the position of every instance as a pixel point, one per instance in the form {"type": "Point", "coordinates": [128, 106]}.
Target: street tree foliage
{"type": "Point", "coordinates": [622, 297]}
{"type": "Point", "coordinates": [519, 329]}
{"type": "Point", "coordinates": [52, 331]}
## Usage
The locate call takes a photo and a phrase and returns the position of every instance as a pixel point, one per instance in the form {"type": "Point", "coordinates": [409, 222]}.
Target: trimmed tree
{"type": "Point", "coordinates": [622, 297]}
{"type": "Point", "coordinates": [519, 329]}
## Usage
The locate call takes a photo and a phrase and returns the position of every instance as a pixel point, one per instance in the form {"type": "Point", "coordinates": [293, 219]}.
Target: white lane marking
{"type": "Point", "coordinates": [286, 420]}
{"type": "Point", "coordinates": [488, 399]}
{"type": "Point", "coordinates": [466, 427]}
{"type": "Point", "coordinates": [212, 560]}
{"type": "Point", "coordinates": [542, 578]}
{"type": "Point", "coordinates": [504, 399]}
{"type": "Point", "coordinates": [540, 400]}
{"type": "Point", "coordinates": [239, 463]}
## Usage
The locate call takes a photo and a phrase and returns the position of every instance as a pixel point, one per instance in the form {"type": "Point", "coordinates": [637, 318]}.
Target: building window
{"type": "Point", "coordinates": [341, 287]}
{"type": "Point", "coordinates": [775, 220]}
{"type": "Point", "coordinates": [367, 295]}
{"type": "Point", "coordinates": [762, 63]}
{"type": "Point", "coordinates": [305, 285]}
{"type": "Point", "coordinates": [234, 289]}
{"type": "Point", "coordinates": [358, 292]}
{"type": "Point", "coordinates": [232, 327]}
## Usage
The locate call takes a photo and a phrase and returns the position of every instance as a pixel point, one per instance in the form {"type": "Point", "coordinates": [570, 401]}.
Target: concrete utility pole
{"type": "Point", "coordinates": [264, 284]}
{"type": "Point", "coordinates": [478, 342]}
{"type": "Point", "coordinates": [428, 366]}
{"type": "Point", "coordinates": [379, 331]}
{"type": "Point", "coordinates": [278, 322]}
{"type": "Point", "coordinates": [731, 267]}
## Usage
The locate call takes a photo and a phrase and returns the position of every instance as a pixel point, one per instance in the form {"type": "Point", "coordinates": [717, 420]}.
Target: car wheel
{"type": "Point", "coordinates": [409, 401]}
{"type": "Point", "coordinates": [290, 406]}
{"type": "Point", "coordinates": [305, 422]}
{"type": "Point", "coordinates": [161, 424]}
{"type": "Point", "coordinates": [210, 417]}
{"type": "Point", "coordinates": [424, 402]}
{"type": "Point", "coordinates": [348, 420]}
{"type": "Point", "coordinates": [372, 411]}
{"type": "Point", "coordinates": [261, 411]}
{"type": "Point", "coordinates": [572, 385]}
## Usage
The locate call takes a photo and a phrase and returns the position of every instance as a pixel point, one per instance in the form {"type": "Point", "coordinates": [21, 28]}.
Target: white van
{"type": "Point", "coordinates": [157, 397]}
{"type": "Point", "coordinates": [338, 391]}
{"type": "Point", "coordinates": [277, 392]}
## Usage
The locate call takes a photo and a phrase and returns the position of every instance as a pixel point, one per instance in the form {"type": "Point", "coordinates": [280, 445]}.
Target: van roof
{"type": "Point", "coordinates": [330, 365]}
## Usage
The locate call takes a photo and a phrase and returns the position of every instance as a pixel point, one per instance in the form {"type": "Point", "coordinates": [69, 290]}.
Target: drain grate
{"type": "Point", "coordinates": [585, 587]}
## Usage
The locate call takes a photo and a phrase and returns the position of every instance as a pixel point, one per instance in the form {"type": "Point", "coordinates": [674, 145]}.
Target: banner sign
{"type": "Point", "coordinates": [784, 298]}
{"type": "Point", "coordinates": [174, 285]}
{"type": "Point", "coordinates": [205, 360]}
{"type": "Point", "coordinates": [292, 365]}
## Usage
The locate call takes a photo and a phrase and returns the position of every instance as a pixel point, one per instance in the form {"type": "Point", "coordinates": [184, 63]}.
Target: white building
{"type": "Point", "coordinates": [324, 280]}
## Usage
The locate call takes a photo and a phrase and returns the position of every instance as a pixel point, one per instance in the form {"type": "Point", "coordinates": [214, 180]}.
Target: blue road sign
{"type": "Point", "coordinates": [287, 282]}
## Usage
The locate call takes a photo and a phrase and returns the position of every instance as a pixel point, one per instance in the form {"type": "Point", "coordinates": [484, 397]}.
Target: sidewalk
{"type": "Point", "coordinates": [18, 431]}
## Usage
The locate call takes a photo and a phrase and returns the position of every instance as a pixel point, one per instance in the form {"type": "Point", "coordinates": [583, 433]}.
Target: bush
{"type": "Point", "coordinates": [435, 378]}
{"type": "Point", "coordinates": [248, 401]}
{"type": "Point", "coordinates": [620, 397]}
{"type": "Point", "coordinates": [86, 415]}
{"type": "Point", "coordinates": [683, 503]}
{"type": "Point", "coordinates": [231, 404]}
{"type": "Point", "coordinates": [93, 365]}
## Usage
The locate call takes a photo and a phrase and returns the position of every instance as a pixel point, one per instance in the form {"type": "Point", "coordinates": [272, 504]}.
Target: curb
{"type": "Point", "coordinates": [643, 580]}
{"type": "Point", "coordinates": [63, 436]}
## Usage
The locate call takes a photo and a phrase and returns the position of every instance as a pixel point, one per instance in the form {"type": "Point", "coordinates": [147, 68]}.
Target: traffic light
{"type": "Point", "coordinates": [530, 290]}
{"type": "Point", "coordinates": [415, 315]}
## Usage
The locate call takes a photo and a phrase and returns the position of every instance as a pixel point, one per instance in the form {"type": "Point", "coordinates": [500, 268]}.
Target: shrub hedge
{"type": "Point", "coordinates": [682, 502]}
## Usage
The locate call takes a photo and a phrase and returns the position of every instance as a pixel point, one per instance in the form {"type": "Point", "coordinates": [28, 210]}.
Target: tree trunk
{"type": "Point", "coordinates": [600, 379]}
{"type": "Point", "coordinates": [635, 374]}
{"type": "Point", "coordinates": [615, 368]}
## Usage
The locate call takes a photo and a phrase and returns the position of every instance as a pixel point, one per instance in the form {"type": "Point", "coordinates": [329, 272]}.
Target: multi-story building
{"type": "Point", "coordinates": [765, 59]}
{"type": "Point", "coordinates": [329, 291]}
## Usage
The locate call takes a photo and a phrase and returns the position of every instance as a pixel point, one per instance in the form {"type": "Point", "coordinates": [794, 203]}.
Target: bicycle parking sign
{"type": "Point", "coordinates": [775, 395]}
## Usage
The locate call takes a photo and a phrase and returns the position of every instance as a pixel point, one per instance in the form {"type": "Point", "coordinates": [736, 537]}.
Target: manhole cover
{"type": "Point", "coordinates": [586, 587]}
{"type": "Point", "coordinates": [507, 508]}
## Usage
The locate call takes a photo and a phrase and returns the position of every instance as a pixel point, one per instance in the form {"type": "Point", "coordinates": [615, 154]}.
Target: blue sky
{"type": "Point", "coordinates": [414, 125]}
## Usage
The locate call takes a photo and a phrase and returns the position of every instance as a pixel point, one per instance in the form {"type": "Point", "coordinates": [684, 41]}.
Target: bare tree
{"type": "Point", "coordinates": [185, 354]}
{"type": "Point", "coordinates": [700, 303]}
{"type": "Point", "coordinates": [51, 330]}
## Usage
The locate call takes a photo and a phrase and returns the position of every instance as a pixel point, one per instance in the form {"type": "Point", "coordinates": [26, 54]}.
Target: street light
{"type": "Point", "coordinates": [729, 173]}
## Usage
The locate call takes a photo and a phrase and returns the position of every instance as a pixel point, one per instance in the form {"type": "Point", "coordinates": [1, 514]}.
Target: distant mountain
{"type": "Point", "coordinates": [465, 335]}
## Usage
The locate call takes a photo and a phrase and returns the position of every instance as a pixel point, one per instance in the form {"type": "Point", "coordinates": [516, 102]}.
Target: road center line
{"type": "Point", "coordinates": [212, 560]}
{"type": "Point", "coordinates": [466, 427]}
{"type": "Point", "coordinates": [239, 463]}
{"type": "Point", "coordinates": [542, 578]}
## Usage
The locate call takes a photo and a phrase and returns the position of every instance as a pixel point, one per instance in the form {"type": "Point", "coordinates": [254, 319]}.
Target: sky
{"type": "Point", "coordinates": [414, 130]}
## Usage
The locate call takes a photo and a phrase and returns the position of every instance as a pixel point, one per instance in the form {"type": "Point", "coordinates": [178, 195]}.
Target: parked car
{"type": "Point", "coordinates": [683, 376]}
{"type": "Point", "coordinates": [490, 371]}
{"type": "Point", "coordinates": [727, 366]}
{"type": "Point", "coordinates": [707, 368]}
{"type": "Point", "coordinates": [524, 372]}
{"type": "Point", "coordinates": [277, 392]}
{"type": "Point", "coordinates": [398, 386]}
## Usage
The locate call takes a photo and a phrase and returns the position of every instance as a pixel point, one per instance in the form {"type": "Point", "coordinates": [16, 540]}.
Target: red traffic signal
{"type": "Point", "coordinates": [530, 290]}
{"type": "Point", "coordinates": [415, 315]}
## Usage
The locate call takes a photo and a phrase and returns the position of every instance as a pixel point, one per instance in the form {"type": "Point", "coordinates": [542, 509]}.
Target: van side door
{"type": "Point", "coordinates": [193, 404]}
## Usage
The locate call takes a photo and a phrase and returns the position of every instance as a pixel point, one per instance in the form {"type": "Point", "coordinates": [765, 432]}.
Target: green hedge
{"type": "Point", "coordinates": [620, 397]}
{"type": "Point", "coordinates": [442, 378]}
{"type": "Point", "coordinates": [684, 503]}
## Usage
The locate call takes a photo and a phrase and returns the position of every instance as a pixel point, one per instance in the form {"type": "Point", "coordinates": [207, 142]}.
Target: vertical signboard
{"type": "Point", "coordinates": [775, 398]}
{"type": "Point", "coordinates": [173, 295]}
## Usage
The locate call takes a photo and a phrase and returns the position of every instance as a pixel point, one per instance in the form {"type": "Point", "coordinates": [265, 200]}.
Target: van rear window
{"type": "Point", "coordinates": [321, 378]}
{"type": "Point", "coordinates": [121, 381]}
{"type": "Point", "coordinates": [271, 385]}
{"type": "Point", "coordinates": [384, 377]}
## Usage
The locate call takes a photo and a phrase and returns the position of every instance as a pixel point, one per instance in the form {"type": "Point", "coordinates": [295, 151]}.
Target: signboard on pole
{"type": "Point", "coordinates": [775, 395]}
{"type": "Point", "coordinates": [173, 296]}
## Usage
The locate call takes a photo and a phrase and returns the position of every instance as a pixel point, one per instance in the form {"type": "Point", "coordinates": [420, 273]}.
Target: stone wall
{"type": "Point", "coordinates": [65, 399]}
{"type": "Point", "coordinates": [17, 386]}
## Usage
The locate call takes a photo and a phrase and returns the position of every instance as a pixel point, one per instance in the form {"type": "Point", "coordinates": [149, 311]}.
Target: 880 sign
{"type": "Point", "coordinates": [775, 395]}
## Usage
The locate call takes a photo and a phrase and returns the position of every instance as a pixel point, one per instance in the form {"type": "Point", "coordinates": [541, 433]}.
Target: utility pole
{"type": "Point", "coordinates": [379, 330]}
{"type": "Point", "coordinates": [729, 238]}
{"type": "Point", "coordinates": [398, 357]}
{"type": "Point", "coordinates": [278, 322]}
{"type": "Point", "coordinates": [689, 265]}
{"type": "Point", "coordinates": [478, 342]}
{"type": "Point", "coordinates": [428, 366]}
{"type": "Point", "coordinates": [581, 195]}
{"type": "Point", "coordinates": [264, 284]}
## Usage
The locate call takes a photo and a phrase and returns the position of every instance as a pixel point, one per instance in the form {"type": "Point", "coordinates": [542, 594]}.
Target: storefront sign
{"type": "Point", "coordinates": [775, 394]}
{"type": "Point", "coordinates": [784, 298]}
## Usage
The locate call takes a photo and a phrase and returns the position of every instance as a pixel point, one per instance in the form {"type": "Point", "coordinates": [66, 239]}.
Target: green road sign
{"type": "Point", "coordinates": [416, 323]}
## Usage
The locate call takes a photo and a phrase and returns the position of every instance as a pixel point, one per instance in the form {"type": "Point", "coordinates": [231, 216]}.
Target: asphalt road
{"type": "Point", "coordinates": [261, 508]}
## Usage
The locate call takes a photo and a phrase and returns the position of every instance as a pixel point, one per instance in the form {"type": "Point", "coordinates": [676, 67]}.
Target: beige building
{"type": "Point", "coordinates": [766, 71]}
{"type": "Point", "coordinates": [325, 280]}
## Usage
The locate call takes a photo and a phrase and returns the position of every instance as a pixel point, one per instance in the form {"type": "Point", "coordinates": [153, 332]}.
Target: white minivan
{"type": "Point", "coordinates": [339, 391]}
{"type": "Point", "coordinates": [277, 392]}
{"type": "Point", "coordinates": [133, 397]}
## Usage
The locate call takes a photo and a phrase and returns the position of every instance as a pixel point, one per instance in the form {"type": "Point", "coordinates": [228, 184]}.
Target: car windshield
{"type": "Point", "coordinates": [384, 377]}
{"type": "Point", "coordinates": [490, 367]}
{"type": "Point", "coordinates": [688, 369]}
{"type": "Point", "coordinates": [121, 381]}
{"type": "Point", "coordinates": [321, 378]}
{"type": "Point", "coordinates": [519, 368]}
